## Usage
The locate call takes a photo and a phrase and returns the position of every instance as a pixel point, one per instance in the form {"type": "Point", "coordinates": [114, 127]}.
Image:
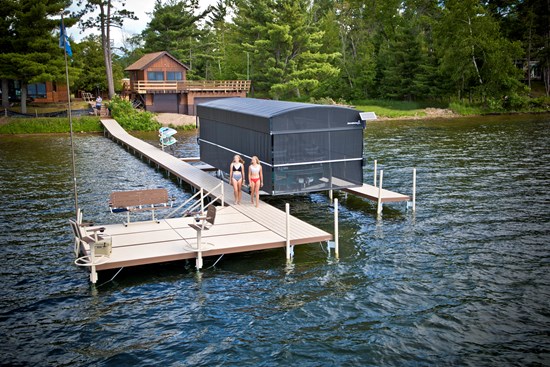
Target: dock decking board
{"type": "Point", "coordinates": [238, 228]}
{"type": "Point", "coordinates": [371, 192]}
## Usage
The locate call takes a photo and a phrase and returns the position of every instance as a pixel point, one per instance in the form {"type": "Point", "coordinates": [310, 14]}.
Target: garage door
{"type": "Point", "coordinates": [165, 103]}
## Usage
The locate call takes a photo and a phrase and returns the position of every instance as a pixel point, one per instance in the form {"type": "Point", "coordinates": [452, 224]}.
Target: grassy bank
{"type": "Point", "coordinates": [43, 125]}
{"type": "Point", "coordinates": [391, 109]}
{"type": "Point", "coordinates": [404, 109]}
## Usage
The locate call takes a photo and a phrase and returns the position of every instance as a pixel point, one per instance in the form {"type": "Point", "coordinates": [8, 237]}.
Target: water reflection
{"type": "Point", "coordinates": [463, 281]}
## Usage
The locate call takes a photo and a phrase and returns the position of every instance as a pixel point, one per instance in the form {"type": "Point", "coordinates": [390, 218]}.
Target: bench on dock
{"type": "Point", "coordinates": [139, 201]}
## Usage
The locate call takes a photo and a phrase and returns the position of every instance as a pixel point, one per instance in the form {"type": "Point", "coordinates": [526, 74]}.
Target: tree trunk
{"type": "Point", "coordinates": [23, 97]}
{"type": "Point", "coordinates": [5, 94]}
{"type": "Point", "coordinates": [109, 59]}
{"type": "Point", "coordinates": [529, 57]}
{"type": "Point", "coordinates": [105, 20]}
{"type": "Point", "coordinates": [473, 51]}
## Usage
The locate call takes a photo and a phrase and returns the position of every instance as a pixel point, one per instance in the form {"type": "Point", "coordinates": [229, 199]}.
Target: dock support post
{"type": "Point", "coordinates": [289, 252]}
{"type": "Point", "coordinates": [202, 200]}
{"type": "Point", "coordinates": [414, 190]}
{"type": "Point", "coordinates": [199, 251]}
{"type": "Point", "coordinates": [336, 252]}
{"type": "Point", "coordinates": [379, 207]}
{"type": "Point", "coordinates": [330, 195]}
{"type": "Point", "coordinates": [375, 170]}
{"type": "Point", "coordinates": [93, 272]}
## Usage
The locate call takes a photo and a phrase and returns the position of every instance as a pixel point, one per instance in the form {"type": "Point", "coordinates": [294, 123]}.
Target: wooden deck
{"type": "Point", "coordinates": [371, 192]}
{"type": "Point", "coordinates": [238, 228]}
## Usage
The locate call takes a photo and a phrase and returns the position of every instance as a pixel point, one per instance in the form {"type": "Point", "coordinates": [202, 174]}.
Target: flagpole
{"type": "Point", "coordinates": [64, 35]}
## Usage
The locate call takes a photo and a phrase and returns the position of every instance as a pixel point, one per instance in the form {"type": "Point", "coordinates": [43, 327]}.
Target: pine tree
{"type": "Point", "coordinates": [285, 46]}
{"type": "Point", "coordinates": [31, 53]}
{"type": "Point", "coordinates": [174, 28]}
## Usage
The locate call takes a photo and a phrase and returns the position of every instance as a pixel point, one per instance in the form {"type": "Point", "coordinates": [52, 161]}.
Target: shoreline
{"type": "Point", "coordinates": [180, 120]}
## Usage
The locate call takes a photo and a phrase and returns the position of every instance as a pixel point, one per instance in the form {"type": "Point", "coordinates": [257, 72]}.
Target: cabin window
{"type": "Point", "coordinates": [36, 90]}
{"type": "Point", "coordinates": [155, 75]}
{"type": "Point", "coordinates": [174, 75]}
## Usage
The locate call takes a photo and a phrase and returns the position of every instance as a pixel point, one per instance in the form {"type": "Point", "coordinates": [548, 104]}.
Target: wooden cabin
{"type": "Point", "coordinates": [159, 81]}
{"type": "Point", "coordinates": [47, 92]}
{"type": "Point", "coordinates": [42, 92]}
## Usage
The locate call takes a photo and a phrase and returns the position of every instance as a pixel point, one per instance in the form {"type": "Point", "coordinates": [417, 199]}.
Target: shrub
{"type": "Point", "coordinates": [540, 103]}
{"type": "Point", "coordinates": [516, 102]}
{"type": "Point", "coordinates": [130, 118]}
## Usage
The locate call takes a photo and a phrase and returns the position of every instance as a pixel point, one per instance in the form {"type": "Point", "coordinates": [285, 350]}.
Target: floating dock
{"type": "Point", "coordinates": [238, 228]}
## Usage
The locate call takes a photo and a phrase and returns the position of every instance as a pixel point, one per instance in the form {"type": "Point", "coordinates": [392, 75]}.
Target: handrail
{"type": "Point", "coordinates": [158, 85]}
{"type": "Point", "coordinates": [200, 202]}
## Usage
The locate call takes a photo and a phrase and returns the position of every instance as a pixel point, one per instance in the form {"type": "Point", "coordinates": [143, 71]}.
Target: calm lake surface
{"type": "Point", "coordinates": [464, 281]}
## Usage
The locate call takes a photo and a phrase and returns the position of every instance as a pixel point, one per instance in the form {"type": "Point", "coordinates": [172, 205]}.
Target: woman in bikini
{"type": "Point", "coordinates": [236, 177]}
{"type": "Point", "coordinates": [256, 178]}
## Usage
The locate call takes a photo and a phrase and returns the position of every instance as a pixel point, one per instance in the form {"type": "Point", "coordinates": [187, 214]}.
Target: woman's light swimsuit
{"type": "Point", "coordinates": [255, 170]}
{"type": "Point", "coordinates": [237, 175]}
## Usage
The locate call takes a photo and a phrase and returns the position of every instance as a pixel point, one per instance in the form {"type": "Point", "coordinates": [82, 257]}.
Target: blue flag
{"type": "Point", "coordinates": [64, 40]}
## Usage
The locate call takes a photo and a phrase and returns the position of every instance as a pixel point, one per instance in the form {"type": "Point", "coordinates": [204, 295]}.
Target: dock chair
{"type": "Point", "coordinates": [100, 247]}
{"type": "Point", "coordinates": [207, 221]}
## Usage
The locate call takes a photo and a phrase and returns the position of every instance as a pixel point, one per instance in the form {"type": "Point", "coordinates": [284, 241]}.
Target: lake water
{"type": "Point", "coordinates": [463, 281]}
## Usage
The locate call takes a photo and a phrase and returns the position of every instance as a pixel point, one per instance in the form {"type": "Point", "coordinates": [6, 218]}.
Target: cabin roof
{"type": "Point", "coordinates": [147, 59]}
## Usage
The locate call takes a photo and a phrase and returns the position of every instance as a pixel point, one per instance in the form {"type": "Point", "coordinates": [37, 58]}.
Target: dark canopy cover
{"type": "Point", "coordinates": [302, 147]}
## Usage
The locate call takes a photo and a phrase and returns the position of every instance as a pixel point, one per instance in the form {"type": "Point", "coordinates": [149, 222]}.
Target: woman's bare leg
{"type": "Point", "coordinates": [239, 191]}
{"type": "Point", "coordinates": [252, 189]}
{"type": "Point", "coordinates": [235, 192]}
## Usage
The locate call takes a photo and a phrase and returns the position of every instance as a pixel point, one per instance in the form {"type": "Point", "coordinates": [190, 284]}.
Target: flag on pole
{"type": "Point", "coordinates": [64, 40]}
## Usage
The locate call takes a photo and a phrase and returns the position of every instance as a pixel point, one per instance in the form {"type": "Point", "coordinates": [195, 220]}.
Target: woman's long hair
{"type": "Point", "coordinates": [238, 158]}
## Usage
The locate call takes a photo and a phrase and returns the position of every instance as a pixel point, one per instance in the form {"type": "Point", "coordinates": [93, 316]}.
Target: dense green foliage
{"type": "Point", "coordinates": [468, 52]}
{"type": "Point", "coordinates": [88, 60]}
{"type": "Point", "coordinates": [130, 118]}
{"type": "Point", "coordinates": [451, 50]}
{"type": "Point", "coordinates": [29, 50]}
{"type": "Point", "coordinates": [49, 125]}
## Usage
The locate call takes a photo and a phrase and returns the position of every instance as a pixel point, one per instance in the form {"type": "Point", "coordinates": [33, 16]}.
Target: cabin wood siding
{"type": "Point", "coordinates": [54, 95]}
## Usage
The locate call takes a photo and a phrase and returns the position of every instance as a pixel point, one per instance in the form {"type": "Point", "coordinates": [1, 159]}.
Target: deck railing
{"type": "Point", "coordinates": [152, 86]}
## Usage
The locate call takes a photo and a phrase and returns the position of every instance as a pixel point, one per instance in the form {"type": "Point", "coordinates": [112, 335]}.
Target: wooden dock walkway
{"type": "Point", "coordinates": [238, 228]}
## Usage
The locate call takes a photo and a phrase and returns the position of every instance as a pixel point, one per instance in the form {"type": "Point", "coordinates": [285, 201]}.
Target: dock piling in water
{"type": "Point", "coordinates": [379, 206]}
{"type": "Point", "coordinates": [414, 191]}
{"type": "Point", "coordinates": [336, 246]}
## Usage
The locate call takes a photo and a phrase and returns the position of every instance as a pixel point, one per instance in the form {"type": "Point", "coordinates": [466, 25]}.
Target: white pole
{"type": "Point", "coordinates": [69, 113]}
{"type": "Point", "coordinates": [199, 250]}
{"type": "Point", "coordinates": [336, 252]}
{"type": "Point", "coordinates": [375, 169]}
{"type": "Point", "coordinates": [379, 208]}
{"type": "Point", "coordinates": [93, 272]}
{"type": "Point", "coordinates": [414, 190]}
{"type": "Point", "coordinates": [221, 183]}
{"type": "Point", "coordinates": [202, 200]}
{"type": "Point", "coordinates": [287, 209]}
{"type": "Point", "coordinates": [330, 195]}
